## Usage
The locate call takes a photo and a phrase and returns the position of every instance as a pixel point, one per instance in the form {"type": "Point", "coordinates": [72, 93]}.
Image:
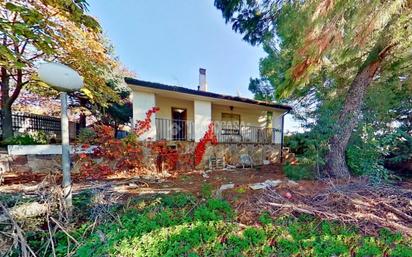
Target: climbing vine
{"type": "Point", "coordinates": [208, 137]}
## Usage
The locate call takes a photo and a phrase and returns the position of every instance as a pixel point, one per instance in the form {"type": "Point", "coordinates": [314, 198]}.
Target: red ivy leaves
{"type": "Point", "coordinates": [122, 155]}
{"type": "Point", "coordinates": [209, 137]}
{"type": "Point", "coordinates": [142, 126]}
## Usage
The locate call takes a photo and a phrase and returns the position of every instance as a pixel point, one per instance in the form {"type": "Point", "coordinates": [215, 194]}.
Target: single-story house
{"type": "Point", "coordinates": [185, 114]}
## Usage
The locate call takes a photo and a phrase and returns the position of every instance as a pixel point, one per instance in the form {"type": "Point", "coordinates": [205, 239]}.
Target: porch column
{"type": "Point", "coordinates": [142, 102]}
{"type": "Point", "coordinates": [277, 120]}
{"type": "Point", "coordinates": [203, 117]}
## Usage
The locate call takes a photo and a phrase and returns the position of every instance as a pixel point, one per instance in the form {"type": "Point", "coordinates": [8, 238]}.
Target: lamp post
{"type": "Point", "coordinates": [64, 79]}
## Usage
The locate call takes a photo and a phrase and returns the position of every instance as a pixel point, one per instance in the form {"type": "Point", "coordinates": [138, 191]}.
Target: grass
{"type": "Point", "coordinates": [182, 225]}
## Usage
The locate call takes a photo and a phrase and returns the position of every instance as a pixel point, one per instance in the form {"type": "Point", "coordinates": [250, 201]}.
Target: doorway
{"type": "Point", "coordinates": [179, 119]}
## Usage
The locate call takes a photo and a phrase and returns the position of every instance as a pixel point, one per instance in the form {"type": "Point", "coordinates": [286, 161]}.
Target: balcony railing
{"type": "Point", "coordinates": [184, 130]}
{"type": "Point", "coordinates": [237, 133]}
{"type": "Point", "coordinates": [175, 130]}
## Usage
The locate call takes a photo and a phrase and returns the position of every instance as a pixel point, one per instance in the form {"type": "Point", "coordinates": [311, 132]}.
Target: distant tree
{"type": "Point", "coordinates": [121, 112]}
{"type": "Point", "coordinates": [43, 30]}
{"type": "Point", "coordinates": [262, 89]}
{"type": "Point", "coordinates": [360, 42]}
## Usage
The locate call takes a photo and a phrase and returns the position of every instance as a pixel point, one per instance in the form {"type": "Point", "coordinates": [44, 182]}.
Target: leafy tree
{"type": "Point", "coordinates": [262, 89]}
{"type": "Point", "coordinates": [118, 113]}
{"type": "Point", "coordinates": [357, 43]}
{"type": "Point", "coordinates": [44, 30]}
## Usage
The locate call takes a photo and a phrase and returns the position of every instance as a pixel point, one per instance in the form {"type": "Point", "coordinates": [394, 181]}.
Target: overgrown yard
{"type": "Point", "coordinates": [128, 217]}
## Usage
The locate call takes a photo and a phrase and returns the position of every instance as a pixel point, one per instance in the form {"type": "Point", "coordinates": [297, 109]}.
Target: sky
{"type": "Point", "coordinates": [167, 41]}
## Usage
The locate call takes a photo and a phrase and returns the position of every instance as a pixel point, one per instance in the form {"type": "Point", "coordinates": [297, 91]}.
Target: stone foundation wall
{"type": "Point", "coordinates": [29, 163]}
{"type": "Point", "coordinates": [229, 152]}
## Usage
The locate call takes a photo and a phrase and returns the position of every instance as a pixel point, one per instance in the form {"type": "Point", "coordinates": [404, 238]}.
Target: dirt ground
{"type": "Point", "coordinates": [133, 185]}
{"type": "Point", "coordinates": [246, 201]}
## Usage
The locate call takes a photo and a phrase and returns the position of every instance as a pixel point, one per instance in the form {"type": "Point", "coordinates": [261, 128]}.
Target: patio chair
{"type": "Point", "coordinates": [246, 160]}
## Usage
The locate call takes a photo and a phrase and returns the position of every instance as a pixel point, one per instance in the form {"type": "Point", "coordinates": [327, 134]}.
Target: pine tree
{"type": "Point", "coordinates": [361, 41]}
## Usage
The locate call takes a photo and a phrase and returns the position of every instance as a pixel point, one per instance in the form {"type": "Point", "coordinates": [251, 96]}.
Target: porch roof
{"type": "Point", "coordinates": [183, 90]}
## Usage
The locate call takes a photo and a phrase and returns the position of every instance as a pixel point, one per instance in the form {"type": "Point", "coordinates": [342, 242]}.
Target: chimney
{"type": "Point", "coordinates": [202, 80]}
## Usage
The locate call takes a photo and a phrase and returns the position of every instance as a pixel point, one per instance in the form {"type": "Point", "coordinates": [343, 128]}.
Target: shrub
{"type": "Point", "coordinates": [300, 170]}
{"type": "Point", "coordinates": [32, 138]}
{"type": "Point", "coordinates": [206, 190]}
{"type": "Point", "coordinates": [128, 155]}
{"type": "Point", "coordinates": [365, 155]}
{"type": "Point", "coordinates": [86, 135]}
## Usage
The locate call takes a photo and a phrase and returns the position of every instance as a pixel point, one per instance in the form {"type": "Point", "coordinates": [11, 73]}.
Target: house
{"type": "Point", "coordinates": [185, 115]}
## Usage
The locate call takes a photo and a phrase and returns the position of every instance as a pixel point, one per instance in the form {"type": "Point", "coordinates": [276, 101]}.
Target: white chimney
{"type": "Point", "coordinates": [202, 80]}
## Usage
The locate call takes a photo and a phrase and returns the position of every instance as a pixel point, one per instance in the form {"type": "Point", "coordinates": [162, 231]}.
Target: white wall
{"type": "Point", "coordinates": [203, 117]}
{"type": "Point", "coordinates": [45, 149]}
{"type": "Point", "coordinates": [277, 124]}
{"type": "Point", "coordinates": [142, 102]}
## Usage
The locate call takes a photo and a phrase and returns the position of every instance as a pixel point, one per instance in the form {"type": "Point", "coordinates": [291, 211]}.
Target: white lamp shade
{"type": "Point", "coordinates": [60, 77]}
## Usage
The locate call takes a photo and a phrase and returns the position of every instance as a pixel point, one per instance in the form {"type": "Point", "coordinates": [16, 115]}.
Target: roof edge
{"type": "Point", "coordinates": [184, 90]}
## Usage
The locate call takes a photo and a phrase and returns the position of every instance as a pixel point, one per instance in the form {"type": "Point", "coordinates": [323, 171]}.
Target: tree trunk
{"type": "Point", "coordinates": [6, 118]}
{"type": "Point", "coordinates": [82, 120]}
{"type": "Point", "coordinates": [6, 122]}
{"type": "Point", "coordinates": [348, 120]}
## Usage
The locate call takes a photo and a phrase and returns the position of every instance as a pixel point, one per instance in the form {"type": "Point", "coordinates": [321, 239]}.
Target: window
{"type": "Point", "coordinates": [230, 124]}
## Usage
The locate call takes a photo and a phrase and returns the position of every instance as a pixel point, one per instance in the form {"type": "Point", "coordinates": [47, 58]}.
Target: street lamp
{"type": "Point", "coordinates": [64, 79]}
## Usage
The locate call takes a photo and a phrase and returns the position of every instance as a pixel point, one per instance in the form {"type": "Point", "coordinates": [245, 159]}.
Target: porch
{"type": "Point", "coordinates": [226, 132]}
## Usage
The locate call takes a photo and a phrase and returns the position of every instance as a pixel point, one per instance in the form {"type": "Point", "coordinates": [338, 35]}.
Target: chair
{"type": "Point", "coordinates": [246, 160]}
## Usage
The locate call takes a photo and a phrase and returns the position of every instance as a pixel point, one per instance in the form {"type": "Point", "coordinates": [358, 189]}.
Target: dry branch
{"type": "Point", "coordinates": [368, 206]}
{"type": "Point", "coordinates": [26, 251]}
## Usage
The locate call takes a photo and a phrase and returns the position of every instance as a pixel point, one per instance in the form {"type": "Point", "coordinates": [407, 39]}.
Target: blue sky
{"type": "Point", "coordinates": [167, 41]}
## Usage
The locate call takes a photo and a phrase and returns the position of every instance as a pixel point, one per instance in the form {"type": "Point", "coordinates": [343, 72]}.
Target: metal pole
{"type": "Point", "coordinates": [66, 184]}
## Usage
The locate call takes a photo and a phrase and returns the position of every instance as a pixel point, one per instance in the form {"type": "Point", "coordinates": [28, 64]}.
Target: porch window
{"type": "Point", "coordinates": [230, 124]}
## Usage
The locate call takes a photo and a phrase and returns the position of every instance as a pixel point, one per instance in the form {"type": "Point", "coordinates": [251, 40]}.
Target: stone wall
{"type": "Point", "coordinates": [229, 152]}
{"type": "Point", "coordinates": [29, 163]}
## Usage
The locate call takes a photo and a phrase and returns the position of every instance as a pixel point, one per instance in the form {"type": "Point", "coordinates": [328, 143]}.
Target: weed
{"type": "Point", "coordinates": [206, 190]}
{"type": "Point", "coordinates": [241, 190]}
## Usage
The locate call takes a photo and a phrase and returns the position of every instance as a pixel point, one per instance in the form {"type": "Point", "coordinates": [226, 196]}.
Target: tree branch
{"type": "Point", "coordinates": [19, 86]}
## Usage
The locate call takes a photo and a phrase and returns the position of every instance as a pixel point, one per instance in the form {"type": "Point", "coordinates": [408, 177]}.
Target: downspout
{"type": "Point", "coordinates": [281, 138]}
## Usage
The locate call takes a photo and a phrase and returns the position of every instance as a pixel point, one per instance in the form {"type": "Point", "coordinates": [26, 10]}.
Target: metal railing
{"type": "Point", "coordinates": [184, 130]}
{"type": "Point", "coordinates": [27, 122]}
{"type": "Point", "coordinates": [238, 133]}
{"type": "Point", "coordinates": [175, 130]}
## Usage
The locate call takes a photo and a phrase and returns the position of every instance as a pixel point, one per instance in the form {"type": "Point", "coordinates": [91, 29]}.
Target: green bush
{"type": "Point", "coordinates": [303, 169]}
{"type": "Point", "coordinates": [365, 155]}
{"type": "Point", "coordinates": [86, 135]}
{"type": "Point", "coordinates": [33, 138]}
{"type": "Point", "coordinates": [206, 190]}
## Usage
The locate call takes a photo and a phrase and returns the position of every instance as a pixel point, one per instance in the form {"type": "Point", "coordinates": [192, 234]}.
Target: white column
{"type": "Point", "coordinates": [142, 102]}
{"type": "Point", "coordinates": [277, 124]}
{"type": "Point", "coordinates": [203, 117]}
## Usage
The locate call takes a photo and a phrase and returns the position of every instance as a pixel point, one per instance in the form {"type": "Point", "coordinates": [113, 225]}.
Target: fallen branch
{"type": "Point", "coordinates": [64, 230]}
{"type": "Point", "coordinates": [26, 251]}
{"type": "Point", "coordinates": [367, 206]}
